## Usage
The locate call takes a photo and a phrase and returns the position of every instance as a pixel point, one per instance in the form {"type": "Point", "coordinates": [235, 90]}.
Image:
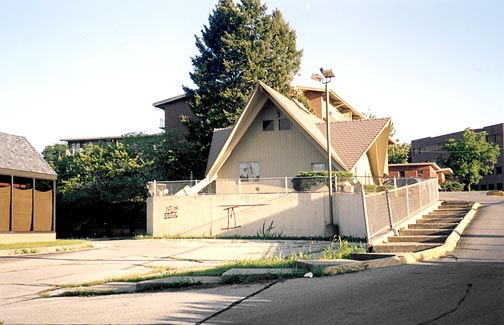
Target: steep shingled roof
{"type": "Point", "coordinates": [19, 158]}
{"type": "Point", "coordinates": [351, 139]}
{"type": "Point", "coordinates": [219, 138]}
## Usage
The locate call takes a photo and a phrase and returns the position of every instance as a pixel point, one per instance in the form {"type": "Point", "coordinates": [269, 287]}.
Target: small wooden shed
{"type": "Point", "coordinates": [27, 192]}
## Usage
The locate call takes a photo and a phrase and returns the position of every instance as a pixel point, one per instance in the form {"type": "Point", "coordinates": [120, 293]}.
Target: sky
{"type": "Point", "coordinates": [93, 68]}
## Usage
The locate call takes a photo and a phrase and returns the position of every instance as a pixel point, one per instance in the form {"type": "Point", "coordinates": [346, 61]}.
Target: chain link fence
{"type": "Point", "coordinates": [385, 210]}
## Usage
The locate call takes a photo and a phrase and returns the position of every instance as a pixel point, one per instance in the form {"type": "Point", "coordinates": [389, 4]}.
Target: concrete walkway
{"type": "Point", "coordinates": [28, 276]}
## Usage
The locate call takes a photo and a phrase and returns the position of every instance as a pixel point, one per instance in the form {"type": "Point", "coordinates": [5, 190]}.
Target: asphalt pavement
{"type": "Point", "coordinates": [466, 286]}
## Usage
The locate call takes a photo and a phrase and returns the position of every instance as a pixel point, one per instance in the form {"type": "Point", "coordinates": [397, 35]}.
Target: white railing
{"type": "Point", "coordinates": [259, 185]}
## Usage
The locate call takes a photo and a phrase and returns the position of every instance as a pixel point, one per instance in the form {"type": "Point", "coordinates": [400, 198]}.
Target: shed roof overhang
{"type": "Point", "coordinates": [27, 174]}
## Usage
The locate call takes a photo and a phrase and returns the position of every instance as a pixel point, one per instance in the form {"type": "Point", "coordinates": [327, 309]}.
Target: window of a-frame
{"type": "Point", "coordinates": [318, 167]}
{"type": "Point", "coordinates": [284, 124]}
{"type": "Point", "coordinates": [268, 125]}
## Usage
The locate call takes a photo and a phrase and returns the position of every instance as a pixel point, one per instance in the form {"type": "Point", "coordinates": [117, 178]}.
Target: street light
{"type": "Point", "coordinates": [325, 78]}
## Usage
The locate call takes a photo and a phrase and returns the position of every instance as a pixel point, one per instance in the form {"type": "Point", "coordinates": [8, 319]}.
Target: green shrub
{"type": "Point", "coordinates": [305, 181]}
{"type": "Point", "coordinates": [452, 186]}
{"type": "Point", "coordinates": [372, 188]}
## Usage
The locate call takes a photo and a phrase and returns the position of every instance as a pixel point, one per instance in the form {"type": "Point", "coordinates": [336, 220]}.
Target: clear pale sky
{"type": "Point", "coordinates": [90, 68]}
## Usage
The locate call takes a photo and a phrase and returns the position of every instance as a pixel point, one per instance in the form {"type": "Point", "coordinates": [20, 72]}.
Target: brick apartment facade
{"type": "Point", "coordinates": [429, 149]}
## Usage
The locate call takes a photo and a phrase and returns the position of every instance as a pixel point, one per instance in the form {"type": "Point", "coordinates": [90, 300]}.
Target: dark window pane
{"type": "Point", "coordinates": [284, 124]}
{"type": "Point", "coordinates": [268, 125]}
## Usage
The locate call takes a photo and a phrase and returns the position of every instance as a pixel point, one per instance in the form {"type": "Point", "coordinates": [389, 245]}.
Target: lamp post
{"type": "Point", "coordinates": [325, 78]}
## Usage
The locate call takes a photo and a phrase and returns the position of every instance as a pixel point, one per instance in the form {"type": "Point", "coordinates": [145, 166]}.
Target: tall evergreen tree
{"type": "Point", "coordinates": [241, 45]}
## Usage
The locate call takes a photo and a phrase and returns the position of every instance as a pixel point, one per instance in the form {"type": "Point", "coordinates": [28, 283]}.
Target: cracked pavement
{"type": "Point", "coordinates": [25, 278]}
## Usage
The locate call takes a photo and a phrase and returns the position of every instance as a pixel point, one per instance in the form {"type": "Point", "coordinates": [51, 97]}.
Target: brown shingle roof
{"type": "Point", "coordinates": [351, 139]}
{"type": "Point", "coordinates": [19, 158]}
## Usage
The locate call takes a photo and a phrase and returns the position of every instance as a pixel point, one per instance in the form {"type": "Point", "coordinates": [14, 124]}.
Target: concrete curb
{"type": "Point", "coordinates": [168, 282]}
{"type": "Point", "coordinates": [409, 258]}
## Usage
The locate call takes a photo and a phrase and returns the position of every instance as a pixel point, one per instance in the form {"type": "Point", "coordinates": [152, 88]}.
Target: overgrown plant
{"type": "Point", "coordinates": [344, 249]}
{"type": "Point", "coordinates": [267, 232]}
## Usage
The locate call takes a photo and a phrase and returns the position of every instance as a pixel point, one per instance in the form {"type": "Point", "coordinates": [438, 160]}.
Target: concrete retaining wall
{"type": "Point", "coordinates": [349, 214]}
{"type": "Point", "coordinates": [292, 214]}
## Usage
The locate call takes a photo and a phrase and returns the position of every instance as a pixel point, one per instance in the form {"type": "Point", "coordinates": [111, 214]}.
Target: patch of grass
{"type": "Point", "coordinates": [303, 255]}
{"type": "Point", "coordinates": [277, 261]}
{"type": "Point", "coordinates": [344, 249]}
{"type": "Point", "coordinates": [27, 251]}
{"type": "Point", "coordinates": [34, 245]}
{"type": "Point", "coordinates": [157, 273]}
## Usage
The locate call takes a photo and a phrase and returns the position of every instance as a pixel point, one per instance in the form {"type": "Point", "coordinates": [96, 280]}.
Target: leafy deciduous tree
{"type": "Point", "coordinates": [471, 157]}
{"type": "Point", "coordinates": [399, 153]}
{"type": "Point", "coordinates": [106, 183]}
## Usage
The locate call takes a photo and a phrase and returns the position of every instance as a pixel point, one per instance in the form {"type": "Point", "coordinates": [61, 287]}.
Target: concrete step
{"type": "Point", "coordinates": [417, 239]}
{"type": "Point", "coordinates": [447, 213]}
{"type": "Point", "coordinates": [425, 232]}
{"type": "Point", "coordinates": [454, 207]}
{"type": "Point", "coordinates": [442, 215]}
{"type": "Point", "coordinates": [439, 220]}
{"type": "Point", "coordinates": [432, 226]}
{"type": "Point", "coordinates": [403, 247]}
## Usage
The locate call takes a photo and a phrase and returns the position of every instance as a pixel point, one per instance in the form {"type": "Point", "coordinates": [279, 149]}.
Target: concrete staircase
{"type": "Point", "coordinates": [428, 232]}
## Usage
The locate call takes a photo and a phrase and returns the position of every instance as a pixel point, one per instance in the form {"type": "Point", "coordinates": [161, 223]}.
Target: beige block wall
{"type": "Point", "coordinates": [293, 214]}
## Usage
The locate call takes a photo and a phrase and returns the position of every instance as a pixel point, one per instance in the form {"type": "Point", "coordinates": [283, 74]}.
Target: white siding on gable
{"type": "Point", "coordinates": [362, 169]}
{"type": "Point", "coordinates": [278, 152]}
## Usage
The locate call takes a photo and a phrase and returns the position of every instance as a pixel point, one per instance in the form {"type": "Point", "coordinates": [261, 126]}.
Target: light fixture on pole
{"type": "Point", "coordinates": [325, 78]}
